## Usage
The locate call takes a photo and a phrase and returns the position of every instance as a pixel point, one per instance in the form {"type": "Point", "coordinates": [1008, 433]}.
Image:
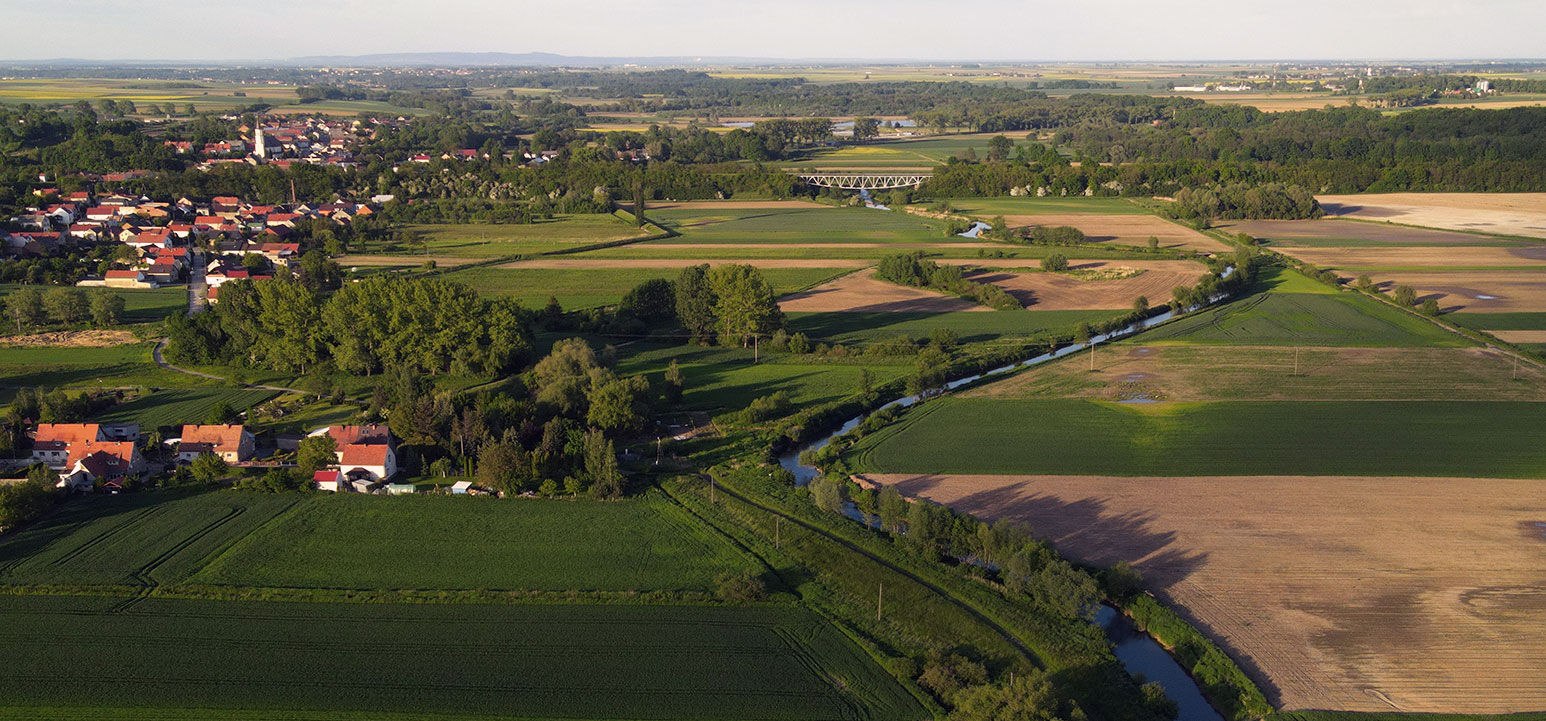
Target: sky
{"type": "Point", "coordinates": [992, 30]}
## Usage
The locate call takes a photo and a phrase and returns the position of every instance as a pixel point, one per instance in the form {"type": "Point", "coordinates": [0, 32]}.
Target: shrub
{"type": "Point", "coordinates": [1055, 263]}
{"type": "Point", "coordinates": [740, 586]}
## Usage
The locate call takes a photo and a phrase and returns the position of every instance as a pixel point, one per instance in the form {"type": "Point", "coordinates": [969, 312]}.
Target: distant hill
{"type": "Point", "coordinates": [511, 59]}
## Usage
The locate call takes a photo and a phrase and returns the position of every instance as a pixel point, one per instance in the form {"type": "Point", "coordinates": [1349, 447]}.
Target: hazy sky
{"type": "Point", "coordinates": [922, 29]}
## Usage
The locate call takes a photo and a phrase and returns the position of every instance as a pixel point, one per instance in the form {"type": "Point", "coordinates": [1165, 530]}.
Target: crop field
{"type": "Point", "coordinates": [798, 223]}
{"type": "Point", "coordinates": [486, 240]}
{"type": "Point", "coordinates": [1296, 311]}
{"type": "Point", "coordinates": [140, 305]}
{"type": "Point", "coordinates": [458, 542]}
{"type": "Point", "coordinates": [1354, 593]}
{"type": "Point", "coordinates": [862, 292]}
{"type": "Point", "coordinates": [175, 407]}
{"type": "Point", "coordinates": [145, 539]}
{"type": "Point", "coordinates": [1059, 291]}
{"type": "Point", "coordinates": [1128, 229]}
{"type": "Point", "coordinates": [605, 286]}
{"type": "Point", "coordinates": [753, 251]}
{"type": "Point", "coordinates": [585, 262]}
{"type": "Point", "coordinates": [528, 661]}
{"type": "Point", "coordinates": [1489, 291]}
{"type": "Point", "coordinates": [1499, 321]}
{"type": "Point", "coordinates": [1336, 233]}
{"type": "Point", "coordinates": [1128, 371]}
{"type": "Point", "coordinates": [722, 379]}
{"type": "Point", "coordinates": [1517, 214]}
{"type": "Point", "coordinates": [108, 367]}
{"type": "Point", "coordinates": [972, 326]}
{"type": "Point", "coordinates": [1027, 207]}
{"type": "Point", "coordinates": [1239, 438]}
{"type": "Point", "coordinates": [1423, 258]}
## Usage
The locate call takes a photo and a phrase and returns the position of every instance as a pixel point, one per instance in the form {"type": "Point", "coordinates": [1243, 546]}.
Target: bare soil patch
{"type": "Point", "coordinates": [72, 339]}
{"type": "Point", "coordinates": [1057, 291]}
{"type": "Point", "coordinates": [603, 263]}
{"type": "Point", "coordinates": [1124, 230]}
{"type": "Point", "coordinates": [1493, 291]}
{"type": "Point", "coordinates": [862, 292]}
{"type": "Point", "coordinates": [1358, 594]}
{"type": "Point", "coordinates": [1236, 373]}
{"type": "Point", "coordinates": [1504, 213]}
{"type": "Point", "coordinates": [1519, 336]}
{"type": "Point", "coordinates": [1285, 232]}
{"type": "Point", "coordinates": [1431, 257]}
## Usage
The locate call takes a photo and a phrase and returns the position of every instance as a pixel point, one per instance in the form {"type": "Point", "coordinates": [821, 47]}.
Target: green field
{"type": "Point", "coordinates": [1498, 321]}
{"type": "Point", "coordinates": [140, 305]}
{"type": "Point", "coordinates": [1247, 438]}
{"type": "Point", "coordinates": [1046, 206]}
{"type": "Point", "coordinates": [456, 542]}
{"type": "Point", "coordinates": [107, 367]}
{"type": "Point", "coordinates": [969, 326]}
{"type": "Point", "coordinates": [799, 225]}
{"type": "Point", "coordinates": [587, 288]}
{"type": "Point", "coordinates": [180, 406]}
{"type": "Point", "coordinates": [529, 661]}
{"type": "Point", "coordinates": [726, 378]}
{"type": "Point", "coordinates": [135, 539]}
{"type": "Point", "coordinates": [486, 240]}
{"type": "Point", "coordinates": [1289, 309]}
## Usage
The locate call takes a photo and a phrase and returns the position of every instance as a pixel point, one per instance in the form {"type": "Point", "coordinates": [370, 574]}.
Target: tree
{"type": "Point", "coordinates": [695, 302]}
{"type": "Point", "coordinates": [601, 465]}
{"type": "Point", "coordinates": [500, 467]}
{"type": "Point", "coordinates": [893, 508]}
{"type": "Point", "coordinates": [1029, 696]}
{"type": "Point", "coordinates": [865, 128]}
{"type": "Point", "coordinates": [616, 404]}
{"type": "Point", "coordinates": [220, 414]}
{"type": "Point", "coordinates": [744, 305]}
{"type": "Point", "coordinates": [562, 378]}
{"type": "Point", "coordinates": [999, 148]}
{"type": "Point", "coordinates": [653, 301]}
{"type": "Point", "coordinates": [208, 468]}
{"type": "Point", "coordinates": [1364, 282]}
{"type": "Point", "coordinates": [67, 305]}
{"type": "Point", "coordinates": [1405, 296]}
{"type": "Point", "coordinates": [1430, 308]}
{"type": "Point", "coordinates": [674, 382]}
{"type": "Point", "coordinates": [827, 493]}
{"type": "Point", "coordinates": [1153, 242]}
{"type": "Point", "coordinates": [25, 306]}
{"type": "Point", "coordinates": [107, 309]}
{"type": "Point", "coordinates": [742, 586]}
{"type": "Point", "coordinates": [1054, 263]}
{"type": "Point", "coordinates": [316, 453]}
{"type": "Point", "coordinates": [928, 371]}
{"type": "Point", "coordinates": [1141, 305]}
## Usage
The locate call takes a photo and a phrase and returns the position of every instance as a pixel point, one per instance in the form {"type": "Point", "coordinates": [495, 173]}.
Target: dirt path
{"type": "Point", "coordinates": [1358, 594]}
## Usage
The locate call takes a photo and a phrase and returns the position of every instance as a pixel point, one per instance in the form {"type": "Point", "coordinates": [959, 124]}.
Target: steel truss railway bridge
{"type": "Point", "coordinates": [864, 181]}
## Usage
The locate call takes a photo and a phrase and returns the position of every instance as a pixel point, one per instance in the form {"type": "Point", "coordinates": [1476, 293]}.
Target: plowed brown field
{"type": "Point", "coordinates": [1056, 291]}
{"type": "Point", "coordinates": [1359, 594]}
{"type": "Point", "coordinates": [1505, 213]}
{"type": "Point", "coordinates": [862, 292]}
{"type": "Point", "coordinates": [1125, 230]}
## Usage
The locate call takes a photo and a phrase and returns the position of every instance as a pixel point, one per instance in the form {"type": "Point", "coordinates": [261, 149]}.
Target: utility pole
{"type": "Point", "coordinates": [1296, 361]}
{"type": "Point", "coordinates": [657, 450]}
{"type": "Point", "coordinates": [1092, 355]}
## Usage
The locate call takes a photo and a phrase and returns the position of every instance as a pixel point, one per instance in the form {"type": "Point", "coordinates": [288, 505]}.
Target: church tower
{"type": "Point", "coordinates": [259, 146]}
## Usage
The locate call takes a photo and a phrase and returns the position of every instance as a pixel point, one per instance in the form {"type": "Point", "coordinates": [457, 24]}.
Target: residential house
{"type": "Point", "coordinates": [128, 279]}
{"type": "Point", "coordinates": [232, 443]}
{"type": "Point", "coordinates": [330, 481]}
{"type": "Point", "coordinates": [91, 462]}
{"type": "Point", "coordinates": [51, 442]}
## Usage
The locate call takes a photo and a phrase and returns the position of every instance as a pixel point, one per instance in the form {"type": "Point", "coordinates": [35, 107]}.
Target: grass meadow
{"type": "Point", "coordinates": [458, 542]}
{"type": "Point", "coordinates": [1245, 438]}
{"type": "Point", "coordinates": [175, 407]}
{"type": "Point", "coordinates": [304, 660]}
{"type": "Point", "coordinates": [495, 240]}
{"type": "Point", "coordinates": [1498, 321]}
{"type": "Point", "coordinates": [108, 367]}
{"type": "Point", "coordinates": [799, 224]}
{"type": "Point", "coordinates": [727, 379]}
{"type": "Point", "coordinates": [854, 328]}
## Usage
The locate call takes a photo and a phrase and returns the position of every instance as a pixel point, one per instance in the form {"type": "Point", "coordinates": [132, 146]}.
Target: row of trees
{"type": "Point", "coordinates": [31, 307]}
{"type": "Point", "coordinates": [428, 325]}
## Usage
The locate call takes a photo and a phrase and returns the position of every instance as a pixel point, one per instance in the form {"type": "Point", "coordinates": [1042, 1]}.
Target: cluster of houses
{"type": "Point", "coordinates": [163, 234]}
{"type": "Point", "coordinates": [286, 141]}
{"type": "Point", "coordinates": [107, 455]}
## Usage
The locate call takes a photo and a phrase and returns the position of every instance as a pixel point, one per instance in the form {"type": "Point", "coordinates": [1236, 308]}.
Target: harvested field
{"type": "Point", "coordinates": [862, 292]}
{"type": "Point", "coordinates": [1502, 213]}
{"type": "Point", "coordinates": [1427, 600]}
{"type": "Point", "coordinates": [1471, 291]}
{"type": "Point", "coordinates": [1334, 233]}
{"type": "Point", "coordinates": [1519, 336]}
{"type": "Point", "coordinates": [71, 339]}
{"type": "Point", "coordinates": [1225, 373]}
{"type": "Point", "coordinates": [1057, 291]}
{"type": "Point", "coordinates": [601, 263]}
{"type": "Point", "coordinates": [1450, 257]}
{"type": "Point", "coordinates": [1125, 230]}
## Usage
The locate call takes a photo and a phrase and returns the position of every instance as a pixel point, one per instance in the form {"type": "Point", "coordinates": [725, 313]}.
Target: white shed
{"type": "Point", "coordinates": [461, 488]}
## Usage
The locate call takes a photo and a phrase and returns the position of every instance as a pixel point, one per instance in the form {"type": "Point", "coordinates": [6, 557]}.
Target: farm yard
{"type": "Point", "coordinates": [472, 661]}
{"type": "Point", "coordinates": [1422, 600]}
{"type": "Point", "coordinates": [1514, 214]}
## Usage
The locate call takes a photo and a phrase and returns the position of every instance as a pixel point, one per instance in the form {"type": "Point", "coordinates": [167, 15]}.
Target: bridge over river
{"type": "Point", "coordinates": [864, 181]}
